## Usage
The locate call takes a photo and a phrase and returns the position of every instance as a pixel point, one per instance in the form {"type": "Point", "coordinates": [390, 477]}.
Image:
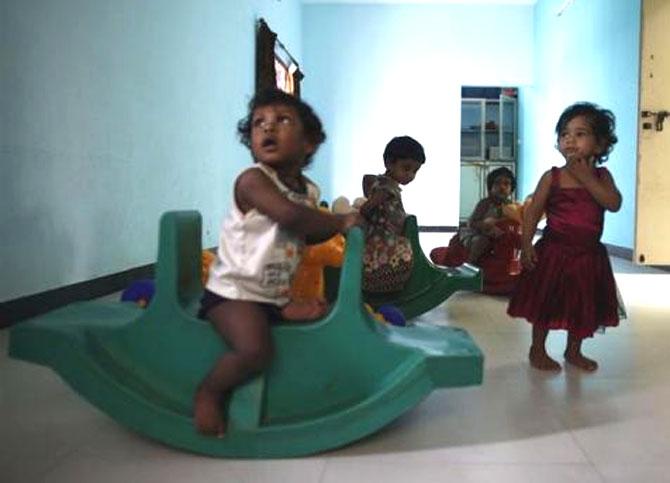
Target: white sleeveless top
{"type": "Point", "coordinates": [256, 258]}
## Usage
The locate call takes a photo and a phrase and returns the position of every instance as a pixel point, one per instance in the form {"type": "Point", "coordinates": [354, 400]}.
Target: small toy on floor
{"type": "Point", "coordinates": [140, 292]}
{"type": "Point", "coordinates": [388, 314]}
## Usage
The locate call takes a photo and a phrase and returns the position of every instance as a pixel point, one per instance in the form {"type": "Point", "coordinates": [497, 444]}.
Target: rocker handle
{"type": "Point", "coordinates": [352, 270]}
{"type": "Point", "coordinates": [179, 258]}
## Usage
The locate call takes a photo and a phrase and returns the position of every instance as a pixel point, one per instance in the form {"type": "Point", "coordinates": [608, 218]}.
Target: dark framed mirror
{"type": "Point", "coordinates": [275, 67]}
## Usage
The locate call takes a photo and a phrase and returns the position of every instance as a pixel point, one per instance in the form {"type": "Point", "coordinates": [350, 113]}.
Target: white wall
{"type": "Point", "coordinates": [378, 71]}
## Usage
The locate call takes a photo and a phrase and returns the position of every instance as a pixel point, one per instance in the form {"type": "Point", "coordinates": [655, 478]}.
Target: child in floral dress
{"type": "Point", "coordinates": [387, 259]}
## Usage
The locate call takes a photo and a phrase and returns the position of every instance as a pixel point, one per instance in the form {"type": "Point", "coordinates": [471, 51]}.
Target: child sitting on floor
{"type": "Point", "coordinates": [483, 225]}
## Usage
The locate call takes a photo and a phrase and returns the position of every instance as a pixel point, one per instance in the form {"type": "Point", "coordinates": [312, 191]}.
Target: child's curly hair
{"type": "Point", "coordinates": [403, 147]}
{"type": "Point", "coordinates": [498, 172]}
{"type": "Point", "coordinates": [311, 123]}
{"type": "Point", "coordinates": [602, 121]}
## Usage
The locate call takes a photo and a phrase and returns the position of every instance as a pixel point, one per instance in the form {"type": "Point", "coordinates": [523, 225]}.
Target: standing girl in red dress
{"type": "Point", "coordinates": [567, 282]}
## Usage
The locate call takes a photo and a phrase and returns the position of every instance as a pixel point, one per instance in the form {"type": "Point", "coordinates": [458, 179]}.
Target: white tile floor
{"type": "Point", "coordinates": [519, 426]}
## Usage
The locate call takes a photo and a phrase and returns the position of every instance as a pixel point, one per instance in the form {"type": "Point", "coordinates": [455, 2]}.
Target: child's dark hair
{"type": "Point", "coordinates": [311, 123]}
{"type": "Point", "coordinates": [404, 147]}
{"type": "Point", "coordinates": [602, 121]}
{"type": "Point", "coordinates": [497, 173]}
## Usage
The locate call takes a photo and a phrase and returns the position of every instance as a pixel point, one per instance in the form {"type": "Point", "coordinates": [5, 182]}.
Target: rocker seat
{"type": "Point", "coordinates": [331, 382]}
{"type": "Point", "coordinates": [429, 285]}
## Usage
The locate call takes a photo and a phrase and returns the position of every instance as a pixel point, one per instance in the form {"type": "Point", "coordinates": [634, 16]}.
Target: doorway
{"type": "Point", "coordinates": [652, 231]}
{"type": "Point", "coordinates": [488, 140]}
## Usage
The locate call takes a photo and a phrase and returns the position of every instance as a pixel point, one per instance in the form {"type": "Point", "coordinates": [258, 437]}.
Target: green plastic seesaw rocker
{"type": "Point", "coordinates": [332, 381]}
{"type": "Point", "coordinates": [428, 286]}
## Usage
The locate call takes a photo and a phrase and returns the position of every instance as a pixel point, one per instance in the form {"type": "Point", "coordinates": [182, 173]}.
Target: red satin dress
{"type": "Point", "coordinates": [572, 285]}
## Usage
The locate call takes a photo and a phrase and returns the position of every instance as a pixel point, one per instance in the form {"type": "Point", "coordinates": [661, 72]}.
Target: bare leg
{"type": "Point", "coordinates": [538, 357]}
{"type": "Point", "coordinates": [311, 309]}
{"type": "Point", "coordinates": [479, 246]}
{"type": "Point", "coordinates": [246, 329]}
{"type": "Point", "coordinates": [573, 355]}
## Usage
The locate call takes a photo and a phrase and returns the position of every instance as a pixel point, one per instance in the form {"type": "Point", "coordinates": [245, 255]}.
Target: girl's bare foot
{"type": "Point", "coordinates": [208, 413]}
{"type": "Point", "coordinates": [579, 360]}
{"type": "Point", "coordinates": [304, 309]}
{"type": "Point", "coordinates": [539, 359]}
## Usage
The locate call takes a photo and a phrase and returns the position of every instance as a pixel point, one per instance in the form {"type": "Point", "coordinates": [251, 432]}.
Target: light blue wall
{"type": "Point", "coordinates": [112, 112]}
{"type": "Point", "coordinates": [589, 53]}
{"type": "Point", "coordinates": [377, 71]}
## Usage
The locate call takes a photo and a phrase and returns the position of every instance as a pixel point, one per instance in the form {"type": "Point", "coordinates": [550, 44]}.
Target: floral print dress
{"type": "Point", "coordinates": [387, 259]}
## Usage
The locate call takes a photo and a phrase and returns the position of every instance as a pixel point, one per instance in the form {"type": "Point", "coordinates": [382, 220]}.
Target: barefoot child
{"type": "Point", "coordinates": [273, 214]}
{"type": "Point", "coordinates": [388, 259]}
{"type": "Point", "coordinates": [568, 281]}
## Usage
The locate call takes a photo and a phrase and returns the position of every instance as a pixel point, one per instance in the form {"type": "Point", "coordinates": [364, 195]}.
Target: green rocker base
{"type": "Point", "coordinates": [332, 381]}
{"type": "Point", "coordinates": [427, 287]}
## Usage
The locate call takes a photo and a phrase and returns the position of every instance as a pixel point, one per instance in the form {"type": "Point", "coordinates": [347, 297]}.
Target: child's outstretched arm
{"type": "Point", "coordinates": [253, 189]}
{"type": "Point", "coordinates": [602, 188]}
{"type": "Point", "coordinates": [481, 224]}
{"type": "Point", "coordinates": [377, 198]}
{"type": "Point", "coordinates": [374, 199]}
{"type": "Point", "coordinates": [477, 215]}
{"type": "Point", "coordinates": [531, 217]}
{"type": "Point", "coordinates": [368, 181]}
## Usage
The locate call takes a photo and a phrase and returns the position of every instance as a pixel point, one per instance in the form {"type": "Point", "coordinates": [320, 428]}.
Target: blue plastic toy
{"type": "Point", "coordinates": [140, 292]}
{"type": "Point", "coordinates": [393, 315]}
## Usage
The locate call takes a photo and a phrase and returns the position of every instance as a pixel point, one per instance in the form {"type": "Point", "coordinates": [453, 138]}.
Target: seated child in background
{"type": "Point", "coordinates": [273, 214]}
{"type": "Point", "coordinates": [482, 228]}
{"type": "Point", "coordinates": [493, 237]}
{"type": "Point", "coordinates": [388, 259]}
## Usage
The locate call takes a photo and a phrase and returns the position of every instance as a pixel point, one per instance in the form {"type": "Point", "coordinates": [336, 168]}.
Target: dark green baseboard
{"type": "Point", "coordinates": [32, 305]}
{"type": "Point", "coordinates": [40, 303]}
{"type": "Point", "coordinates": [619, 252]}
{"type": "Point", "coordinates": [438, 229]}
